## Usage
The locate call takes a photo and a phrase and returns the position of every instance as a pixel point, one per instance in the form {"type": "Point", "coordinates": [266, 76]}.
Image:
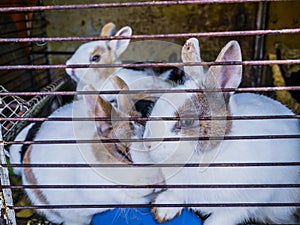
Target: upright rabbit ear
{"type": "Point", "coordinates": [191, 53]}
{"type": "Point", "coordinates": [226, 76]}
{"type": "Point", "coordinates": [108, 29]}
{"type": "Point", "coordinates": [124, 101]}
{"type": "Point", "coordinates": [99, 107]}
{"type": "Point", "coordinates": [119, 46]}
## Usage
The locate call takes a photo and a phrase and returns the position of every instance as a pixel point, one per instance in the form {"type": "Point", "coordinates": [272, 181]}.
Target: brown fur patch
{"type": "Point", "coordinates": [107, 152]}
{"type": "Point", "coordinates": [31, 179]}
{"type": "Point", "coordinates": [97, 51]}
{"type": "Point", "coordinates": [108, 29]}
{"type": "Point", "coordinates": [103, 107]}
{"type": "Point", "coordinates": [28, 173]}
{"type": "Point", "coordinates": [103, 153]}
{"type": "Point", "coordinates": [118, 152]}
{"type": "Point", "coordinates": [206, 105]}
{"type": "Point", "coordinates": [107, 57]}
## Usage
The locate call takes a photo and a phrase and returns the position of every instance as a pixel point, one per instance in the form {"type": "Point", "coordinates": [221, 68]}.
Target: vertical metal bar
{"type": "Point", "coordinates": [261, 20]}
{"type": "Point", "coordinates": [30, 48]}
{"type": "Point", "coordinates": [42, 18]}
{"type": "Point", "coordinates": [4, 180]}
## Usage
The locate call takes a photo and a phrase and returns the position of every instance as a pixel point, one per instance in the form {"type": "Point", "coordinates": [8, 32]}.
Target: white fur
{"type": "Point", "coordinates": [15, 150]}
{"type": "Point", "coordinates": [82, 154]}
{"type": "Point", "coordinates": [191, 53]}
{"type": "Point", "coordinates": [98, 78]}
{"type": "Point", "coordinates": [229, 151]}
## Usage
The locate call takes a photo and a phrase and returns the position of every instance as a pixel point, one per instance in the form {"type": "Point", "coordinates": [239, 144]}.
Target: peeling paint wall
{"type": "Point", "coordinates": [177, 19]}
{"type": "Point", "coordinates": [156, 20]}
{"type": "Point", "coordinates": [283, 15]}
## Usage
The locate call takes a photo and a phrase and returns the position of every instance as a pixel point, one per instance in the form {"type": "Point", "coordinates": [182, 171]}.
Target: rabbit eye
{"type": "Point", "coordinates": [95, 58]}
{"type": "Point", "coordinates": [121, 153]}
{"type": "Point", "coordinates": [186, 123]}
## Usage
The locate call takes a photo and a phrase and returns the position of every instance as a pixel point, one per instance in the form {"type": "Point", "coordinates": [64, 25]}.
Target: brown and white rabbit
{"type": "Point", "coordinates": [88, 153]}
{"type": "Point", "coordinates": [109, 52]}
{"type": "Point", "coordinates": [217, 150]}
{"type": "Point", "coordinates": [104, 52]}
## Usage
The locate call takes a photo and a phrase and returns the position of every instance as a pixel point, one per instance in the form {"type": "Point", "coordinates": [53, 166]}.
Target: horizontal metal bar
{"type": "Point", "coordinates": [247, 89]}
{"type": "Point", "coordinates": [46, 52]}
{"type": "Point", "coordinates": [122, 4]}
{"type": "Point", "coordinates": [142, 65]}
{"type": "Point", "coordinates": [69, 119]}
{"type": "Point", "coordinates": [158, 36]}
{"type": "Point", "coordinates": [171, 139]}
{"type": "Point", "coordinates": [81, 206]}
{"type": "Point", "coordinates": [171, 165]}
{"type": "Point", "coordinates": [175, 186]}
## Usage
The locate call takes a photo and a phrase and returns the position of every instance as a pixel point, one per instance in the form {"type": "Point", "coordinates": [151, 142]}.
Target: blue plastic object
{"type": "Point", "coordinates": [142, 216]}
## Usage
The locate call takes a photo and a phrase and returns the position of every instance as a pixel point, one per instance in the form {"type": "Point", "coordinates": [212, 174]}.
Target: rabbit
{"type": "Point", "coordinates": [217, 150]}
{"type": "Point", "coordinates": [16, 151]}
{"type": "Point", "coordinates": [109, 52]}
{"type": "Point", "coordinates": [88, 153]}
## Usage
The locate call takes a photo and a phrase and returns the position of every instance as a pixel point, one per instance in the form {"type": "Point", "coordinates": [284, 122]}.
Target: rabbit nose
{"type": "Point", "coordinates": [148, 145]}
{"type": "Point", "coordinates": [73, 72]}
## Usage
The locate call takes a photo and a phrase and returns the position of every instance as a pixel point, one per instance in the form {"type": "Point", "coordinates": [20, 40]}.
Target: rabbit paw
{"type": "Point", "coordinates": [163, 214]}
{"type": "Point", "coordinates": [227, 217]}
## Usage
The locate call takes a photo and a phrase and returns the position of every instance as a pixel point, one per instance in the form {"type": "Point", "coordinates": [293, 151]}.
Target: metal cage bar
{"type": "Point", "coordinates": [41, 97]}
{"type": "Point", "coordinates": [125, 4]}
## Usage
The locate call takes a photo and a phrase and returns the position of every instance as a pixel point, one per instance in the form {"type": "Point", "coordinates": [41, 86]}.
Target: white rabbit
{"type": "Point", "coordinates": [88, 153]}
{"type": "Point", "coordinates": [225, 151]}
{"type": "Point", "coordinates": [109, 52]}
{"type": "Point", "coordinates": [16, 151]}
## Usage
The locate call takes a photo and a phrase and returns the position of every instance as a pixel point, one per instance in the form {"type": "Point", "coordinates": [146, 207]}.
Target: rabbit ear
{"type": "Point", "coordinates": [99, 107]}
{"type": "Point", "coordinates": [125, 103]}
{"type": "Point", "coordinates": [119, 46]}
{"type": "Point", "coordinates": [108, 29]}
{"type": "Point", "coordinates": [226, 76]}
{"type": "Point", "coordinates": [191, 53]}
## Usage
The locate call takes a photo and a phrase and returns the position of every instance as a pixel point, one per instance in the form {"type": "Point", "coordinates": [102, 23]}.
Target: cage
{"type": "Point", "coordinates": [38, 37]}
